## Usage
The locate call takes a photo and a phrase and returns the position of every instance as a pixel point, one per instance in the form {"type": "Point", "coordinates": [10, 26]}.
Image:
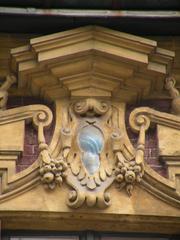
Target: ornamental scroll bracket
{"type": "Point", "coordinates": [167, 189]}
{"type": "Point", "coordinates": [94, 153]}
{"type": "Point", "coordinates": [12, 127]}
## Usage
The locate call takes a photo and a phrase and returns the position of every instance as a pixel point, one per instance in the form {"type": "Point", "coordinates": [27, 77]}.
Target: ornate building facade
{"type": "Point", "coordinates": [89, 125]}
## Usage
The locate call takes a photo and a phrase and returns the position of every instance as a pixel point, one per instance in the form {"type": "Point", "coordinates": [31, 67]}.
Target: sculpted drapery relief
{"type": "Point", "coordinates": [90, 148]}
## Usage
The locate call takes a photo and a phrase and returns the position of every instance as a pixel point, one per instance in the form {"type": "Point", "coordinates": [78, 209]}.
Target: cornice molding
{"type": "Point", "coordinates": [92, 59]}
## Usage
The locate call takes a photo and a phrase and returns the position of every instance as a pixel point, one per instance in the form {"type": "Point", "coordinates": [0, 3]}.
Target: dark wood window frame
{"type": "Point", "coordinates": [88, 235]}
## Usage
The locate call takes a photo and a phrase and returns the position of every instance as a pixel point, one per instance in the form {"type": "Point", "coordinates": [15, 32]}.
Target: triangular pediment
{"type": "Point", "coordinates": [100, 61]}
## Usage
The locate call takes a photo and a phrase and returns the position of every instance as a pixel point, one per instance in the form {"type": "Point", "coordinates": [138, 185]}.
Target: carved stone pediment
{"type": "Point", "coordinates": [90, 74]}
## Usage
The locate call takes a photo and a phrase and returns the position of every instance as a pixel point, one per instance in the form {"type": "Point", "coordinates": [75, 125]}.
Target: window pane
{"type": "Point", "coordinates": [132, 238]}
{"type": "Point", "coordinates": [45, 238]}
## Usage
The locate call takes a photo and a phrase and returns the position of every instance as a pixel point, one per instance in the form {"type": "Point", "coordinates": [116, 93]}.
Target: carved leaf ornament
{"type": "Point", "coordinates": [90, 149]}
{"type": "Point", "coordinates": [93, 151]}
{"type": "Point", "coordinates": [92, 155]}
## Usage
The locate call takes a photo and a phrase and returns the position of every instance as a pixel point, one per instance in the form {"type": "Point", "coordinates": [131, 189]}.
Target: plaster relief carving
{"type": "Point", "coordinates": [174, 93]}
{"type": "Point", "coordinates": [167, 125]}
{"type": "Point", "coordinates": [10, 79]}
{"type": "Point", "coordinates": [94, 153]}
{"type": "Point", "coordinates": [90, 149]}
{"type": "Point", "coordinates": [12, 182]}
{"type": "Point", "coordinates": [90, 170]}
{"type": "Point", "coordinates": [52, 171]}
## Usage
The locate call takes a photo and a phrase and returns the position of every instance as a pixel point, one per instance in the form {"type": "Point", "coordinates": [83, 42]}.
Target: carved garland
{"type": "Point", "coordinates": [92, 153]}
{"type": "Point", "coordinates": [112, 163]}
{"type": "Point", "coordinates": [52, 171]}
{"type": "Point", "coordinates": [129, 172]}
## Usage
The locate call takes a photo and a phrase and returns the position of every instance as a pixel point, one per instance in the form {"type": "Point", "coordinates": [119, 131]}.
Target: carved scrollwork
{"type": "Point", "coordinates": [91, 107]}
{"type": "Point", "coordinates": [150, 117]}
{"type": "Point", "coordinates": [38, 114]}
{"type": "Point", "coordinates": [152, 182]}
{"type": "Point", "coordinates": [113, 159]}
{"type": "Point", "coordinates": [93, 154]}
{"type": "Point", "coordinates": [105, 143]}
{"type": "Point", "coordinates": [41, 117]}
{"type": "Point", "coordinates": [89, 184]}
{"type": "Point", "coordinates": [77, 198]}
